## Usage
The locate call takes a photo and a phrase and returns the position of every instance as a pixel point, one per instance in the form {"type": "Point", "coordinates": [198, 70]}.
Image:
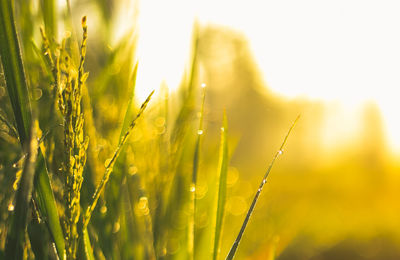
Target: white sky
{"type": "Point", "coordinates": [342, 50]}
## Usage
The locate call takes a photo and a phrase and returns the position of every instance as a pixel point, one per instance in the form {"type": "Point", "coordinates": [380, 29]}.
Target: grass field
{"type": "Point", "coordinates": [89, 171]}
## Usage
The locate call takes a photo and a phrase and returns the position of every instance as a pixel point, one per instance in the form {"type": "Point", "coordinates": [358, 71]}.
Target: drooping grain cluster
{"type": "Point", "coordinates": [68, 82]}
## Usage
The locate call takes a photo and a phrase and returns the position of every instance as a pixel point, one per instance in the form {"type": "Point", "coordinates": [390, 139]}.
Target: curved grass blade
{"type": "Point", "coordinates": [110, 164]}
{"type": "Point", "coordinates": [16, 233]}
{"type": "Point", "coordinates": [19, 96]}
{"type": "Point", "coordinates": [235, 245]}
{"type": "Point", "coordinates": [221, 195]}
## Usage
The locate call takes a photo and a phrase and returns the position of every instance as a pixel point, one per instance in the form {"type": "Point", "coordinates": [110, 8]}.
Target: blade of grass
{"type": "Point", "coordinates": [16, 234]}
{"type": "Point", "coordinates": [196, 159]}
{"type": "Point", "coordinates": [19, 96]}
{"type": "Point", "coordinates": [221, 193]}
{"type": "Point", "coordinates": [85, 250]}
{"type": "Point", "coordinates": [47, 205]}
{"type": "Point", "coordinates": [14, 71]}
{"type": "Point", "coordinates": [49, 8]}
{"type": "Point", "coordinates": [130, 108]}
{"type": "Point", "coordinates": [110, 164]}
{"type": "Point", "coordinates": [235, 245]}
{"type": "Point", "coordinates": [163, 222]}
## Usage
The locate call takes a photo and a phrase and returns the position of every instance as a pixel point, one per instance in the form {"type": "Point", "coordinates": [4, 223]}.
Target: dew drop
{"type": "Point", "coordinates": [203, 85]}
{"type": "Point", "coordinates": [10, 207]}
{"type": "Point", "coordinates": [2, 91]}
{"type": "Point", "coordinates": [116, 227]}
{"type": "Point", "coordinates": [200, 132]}
{"type": "Point", "coordinates": [280, 151]}
{"type": "Point", "coordinates": [132, 170]}
{"type": "Point", "coordinates": [107, 162]}
{"type": "Point", "coordinates": [37, 93]}
{"type": "Point", "coordinates": [142, 205]}
{"type": "Point", "coordinates": [264, 181]}
{"type": "Point", "coordinates": [14, 165]}
{"type": "Point", "coordinates": [103, 210]}
{"type": "Point", "coordinates": [67, 34]}
{"type": "Point", "coordinates": [222, 129]}
{"type": "Point", "coordinates": [192, 188]}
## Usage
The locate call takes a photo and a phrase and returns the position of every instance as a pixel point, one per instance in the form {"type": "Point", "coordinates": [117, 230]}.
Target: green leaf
{"type": "Point", "coordinates": [85, 248]}
{"type": "Point", "coordinates": [47, 205]}
{"type": "Point", "coordinates": [130, 108]}
{"type": "Point", "coordinates": [221, 193]}
{"type": "Point", "coordinates": [14, 71]}
{"type": "Point", "coordinates": [49, 8]}
{"type": "Point", "coordinates": [196, 161]}
{"type": "Point", "coordinates": [16, 234]}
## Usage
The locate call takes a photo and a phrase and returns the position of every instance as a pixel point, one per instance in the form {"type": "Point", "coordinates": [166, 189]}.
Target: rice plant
{"type": "Point", "coordinates": [144, 202]}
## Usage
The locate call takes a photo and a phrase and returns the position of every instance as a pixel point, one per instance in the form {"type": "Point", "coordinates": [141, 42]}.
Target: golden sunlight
{"type": "Point", "coordinates": [342, 51]}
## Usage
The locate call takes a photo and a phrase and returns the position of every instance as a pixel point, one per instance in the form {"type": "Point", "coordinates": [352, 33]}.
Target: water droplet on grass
{"type": "Point", "coordinates": [132, 170]}
{"type": "Point", "coordinates": [116, 227]}
{"type": "Point", "coordinates": [10, 207]}
{"type": "Point", "coordinates": [103, 210]}
{"type": "Point", "coordinates": [107, 162]}
{"type": "Point", "coordinates": [200, 132]}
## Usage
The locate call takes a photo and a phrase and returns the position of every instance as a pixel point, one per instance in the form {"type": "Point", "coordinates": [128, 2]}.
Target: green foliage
{"type": "Point", "coordinates": [146, 201]}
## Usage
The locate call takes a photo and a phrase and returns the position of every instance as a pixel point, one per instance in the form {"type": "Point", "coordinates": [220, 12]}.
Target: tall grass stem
{"type": "Point", "coordinates": [235, 245]}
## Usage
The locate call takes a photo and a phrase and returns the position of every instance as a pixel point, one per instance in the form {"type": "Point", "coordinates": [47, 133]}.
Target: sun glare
{"type": "Point", "coordinates": [342, 51]}
{"type": "Point", "coordinates": [164, 46]}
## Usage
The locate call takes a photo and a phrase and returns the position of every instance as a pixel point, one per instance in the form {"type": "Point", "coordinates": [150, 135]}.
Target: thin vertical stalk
{"type": "Point", "coordinates": [221, 193]}
{"type": "Point", "coordinates": [235, 245]}
{"type": "Point", "coordinates": [192, 190]}
{"type": "Point", "coordinates": [110, 164]}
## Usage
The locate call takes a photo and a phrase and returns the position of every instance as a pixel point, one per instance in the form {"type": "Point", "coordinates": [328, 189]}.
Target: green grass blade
{"type": "Point", "coordinates": [49, 8]}
{"type": "Point", "coordinates": [130, 108]}
{"type": "Point", "coordinates": [16, 234]}
{"type": "Point", "coordinates": [14, 71]}
{"type": "Point", "coordinates": [196, 160]}
{"type": "Point", "coordinates": [110, 164]}
{"type": "Point", "coordinates": [235, 245]}
{"type": "Point", "coordinates": [47, 205]}
{"type": "Point", "coordinates": [221, 195]}
{"type": "Point", "coordinates": [85, 252]}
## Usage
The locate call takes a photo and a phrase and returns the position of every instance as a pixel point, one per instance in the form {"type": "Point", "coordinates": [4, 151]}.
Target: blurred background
{"type": "Point", "coordinates": [334, 193]}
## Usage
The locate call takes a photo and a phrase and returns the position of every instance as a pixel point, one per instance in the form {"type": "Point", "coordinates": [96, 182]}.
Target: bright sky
{"type": "Point", "coordinates": [346, 50]}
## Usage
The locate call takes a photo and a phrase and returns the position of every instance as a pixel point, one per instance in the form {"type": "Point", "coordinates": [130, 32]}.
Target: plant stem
{"type": "Point", "coordinates": [235, 245]}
